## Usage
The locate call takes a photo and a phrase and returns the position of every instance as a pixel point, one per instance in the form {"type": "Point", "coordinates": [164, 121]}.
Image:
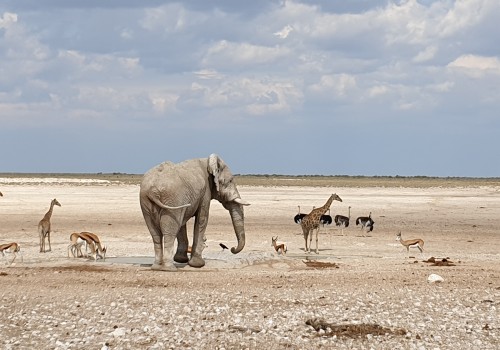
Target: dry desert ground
{"type": "Point", "coordinates": [359, 292]}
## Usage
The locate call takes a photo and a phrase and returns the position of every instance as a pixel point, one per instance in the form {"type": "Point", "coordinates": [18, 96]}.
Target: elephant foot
{"type": "Point", "coordinates": [163, 267]}
{"type": "Point", "coordinates": [181, 258]}
{"type": "Point", "coordinates": [196, 261]}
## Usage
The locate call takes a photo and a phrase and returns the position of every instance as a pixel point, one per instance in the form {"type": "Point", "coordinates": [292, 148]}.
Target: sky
{"type": "Point", "coordinates": [304, 87]}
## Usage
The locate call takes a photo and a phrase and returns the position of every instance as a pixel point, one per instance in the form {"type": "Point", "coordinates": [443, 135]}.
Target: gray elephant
{"type": "Point", "coordinates": [171, 194]}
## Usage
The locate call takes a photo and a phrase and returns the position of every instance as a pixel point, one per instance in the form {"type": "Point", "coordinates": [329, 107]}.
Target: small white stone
{"type": "Point", "coordinates": [119, 332]}
{"type": "Point", "coordinates": [433, 278]}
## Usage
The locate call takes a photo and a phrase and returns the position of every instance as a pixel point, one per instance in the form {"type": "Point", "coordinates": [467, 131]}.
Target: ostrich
{"type": "Point", "coordinates": [325, 219]}
{"type": "Point", "coordinates": [298, 218]}
{"type": "Point", "coordinates": [366, 222]}
{"type": "Point", "coordinates": [343, 221]}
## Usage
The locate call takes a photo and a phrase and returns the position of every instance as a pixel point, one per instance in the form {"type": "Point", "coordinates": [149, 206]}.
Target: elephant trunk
{"type": "Point", "coordinates": [236, 212]}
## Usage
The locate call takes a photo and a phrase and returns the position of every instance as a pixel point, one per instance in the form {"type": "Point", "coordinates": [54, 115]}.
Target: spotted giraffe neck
{"type": "Point", "coordinates": [49, 213]}
{"type": "Point", "coordinates": [327, 205]}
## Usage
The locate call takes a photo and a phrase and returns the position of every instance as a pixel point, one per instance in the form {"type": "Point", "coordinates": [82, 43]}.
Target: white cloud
{"type": "Point", "coordinates": [224, 53]}
{"type": "Point", "coordinates": [208, 74]}
{"type": "Point", "coordinates": [378, 90]}
{"type": "Point", "coordinates": [7, 19]}
{"type": "Point", "coordinates": [441, 87]}
{"type": "Point", "coordinates": [425, 55]}
{"type": "Point", "coordinates": [244, 95]}
{"type": "Point", "coordinates": [163, 102]}
{"type": "Point", "coordinates": [21, 45]}
{"type": "Point", "coordinates": [93, 65]}
{"type": "Point", "coordinates": [339, 85]}
{"type": "Point", "coordinates": [173, 18]}
{"type": "Point", "coordinates": [463, 14]}
{"type": "Point", "coordinates": [476, 66]}
{"type": "Point", "coordinates": [283, 33]}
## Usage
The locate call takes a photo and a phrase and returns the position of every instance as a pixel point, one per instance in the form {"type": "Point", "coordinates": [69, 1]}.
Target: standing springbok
{"type": "Point", "coordinates": [12, 248]}
{"type": "Point", "coordinates": [44, 226]}
{"type": "Point", "coordinates": [77, 241]}
{"type": "Point", "coordinates": [413, 243]}
{"type": "Point", "coordinates": [280, 248]}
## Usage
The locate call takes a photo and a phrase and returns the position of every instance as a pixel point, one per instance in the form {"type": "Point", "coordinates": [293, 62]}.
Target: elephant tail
{"type": "Point", "coordinates": [161, 205]}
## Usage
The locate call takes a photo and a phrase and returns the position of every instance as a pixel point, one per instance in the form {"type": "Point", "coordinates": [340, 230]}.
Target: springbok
{"type": "Point", "coordinates": [11, 248]}
{"type": "Point", "coordinates": [413, 243]}
{"type": "Point", "coordinates": [280, 248]}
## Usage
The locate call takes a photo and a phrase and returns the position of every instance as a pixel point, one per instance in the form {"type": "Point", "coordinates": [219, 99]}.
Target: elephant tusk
{"type": "Point", "coordinates": [241, 202]}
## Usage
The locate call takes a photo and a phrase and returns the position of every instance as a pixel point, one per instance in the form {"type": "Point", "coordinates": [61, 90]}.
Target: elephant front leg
{"type": "Point", "coordinates": [182, 246]}
{"type": "Point", "coordinates": [200, 225]}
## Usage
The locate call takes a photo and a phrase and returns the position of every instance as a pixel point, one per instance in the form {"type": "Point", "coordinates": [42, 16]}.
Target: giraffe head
{"type": "Point", "coordinates": [55, 202]}
{"type": "Point", "coordinates": [336, 197]}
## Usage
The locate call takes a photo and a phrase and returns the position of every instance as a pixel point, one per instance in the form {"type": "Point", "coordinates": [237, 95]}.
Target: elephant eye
{"type": "Point", "coordinates": [225, 180]}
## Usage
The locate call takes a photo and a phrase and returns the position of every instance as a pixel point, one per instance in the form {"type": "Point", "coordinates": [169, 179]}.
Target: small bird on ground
{"type": "Point", "coordinates": [223, 246]}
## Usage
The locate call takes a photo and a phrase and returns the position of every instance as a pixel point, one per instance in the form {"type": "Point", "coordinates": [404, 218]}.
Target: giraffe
{"type": "Point", "coordinates": [312, 221]}
{"type": "Point", "coordinates": [44, 226]}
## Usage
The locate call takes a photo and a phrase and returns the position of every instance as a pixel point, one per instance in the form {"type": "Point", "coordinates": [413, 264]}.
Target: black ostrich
{"type": "Point", "coordinates": [298, 218]}
{"type": "Point", "coordinates": [366, 222]}
{"type": "Point", "coordinates": [325, 219]}
{"type": "Point", "coordinates": [343, 221]}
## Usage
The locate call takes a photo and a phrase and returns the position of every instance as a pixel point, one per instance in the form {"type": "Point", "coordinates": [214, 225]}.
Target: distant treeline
{"type": "Point", "coordinates": [370, 176]}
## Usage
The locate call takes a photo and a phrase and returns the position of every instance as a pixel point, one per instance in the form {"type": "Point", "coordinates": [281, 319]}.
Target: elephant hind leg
{"type": "Point", "coordinates": [163, 263]}
{"type": "Point", "coordinates": [182, 246]}
{"type": "Point", "coordinates": [157, 236]}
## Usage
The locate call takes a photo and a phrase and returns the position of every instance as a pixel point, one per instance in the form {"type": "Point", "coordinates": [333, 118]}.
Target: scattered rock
{"type": "Point", "coordinates": [433, 278]}
{"type": "Point", "coordinates": [118, 332]}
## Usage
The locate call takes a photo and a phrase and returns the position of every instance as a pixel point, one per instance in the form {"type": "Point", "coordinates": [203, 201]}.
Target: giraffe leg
{"type": "Point", "coordinates": [48, 237]}
{"type": "Point", "coordinates": [41, 242]}
{"type": "Point", "coordinates": [317, 232]}
{"type": "Point", "coordinates": [305, 232]}
{"type": "Point", "coordinates": [311, 239]}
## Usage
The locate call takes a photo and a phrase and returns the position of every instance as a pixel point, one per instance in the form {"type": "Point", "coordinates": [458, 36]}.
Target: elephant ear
{"type": "Point", "coordinates": [214, 168]}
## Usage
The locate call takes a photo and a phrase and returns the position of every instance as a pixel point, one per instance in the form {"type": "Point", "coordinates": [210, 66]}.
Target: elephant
{"type": "Point", "coordinates": [173, 193]}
